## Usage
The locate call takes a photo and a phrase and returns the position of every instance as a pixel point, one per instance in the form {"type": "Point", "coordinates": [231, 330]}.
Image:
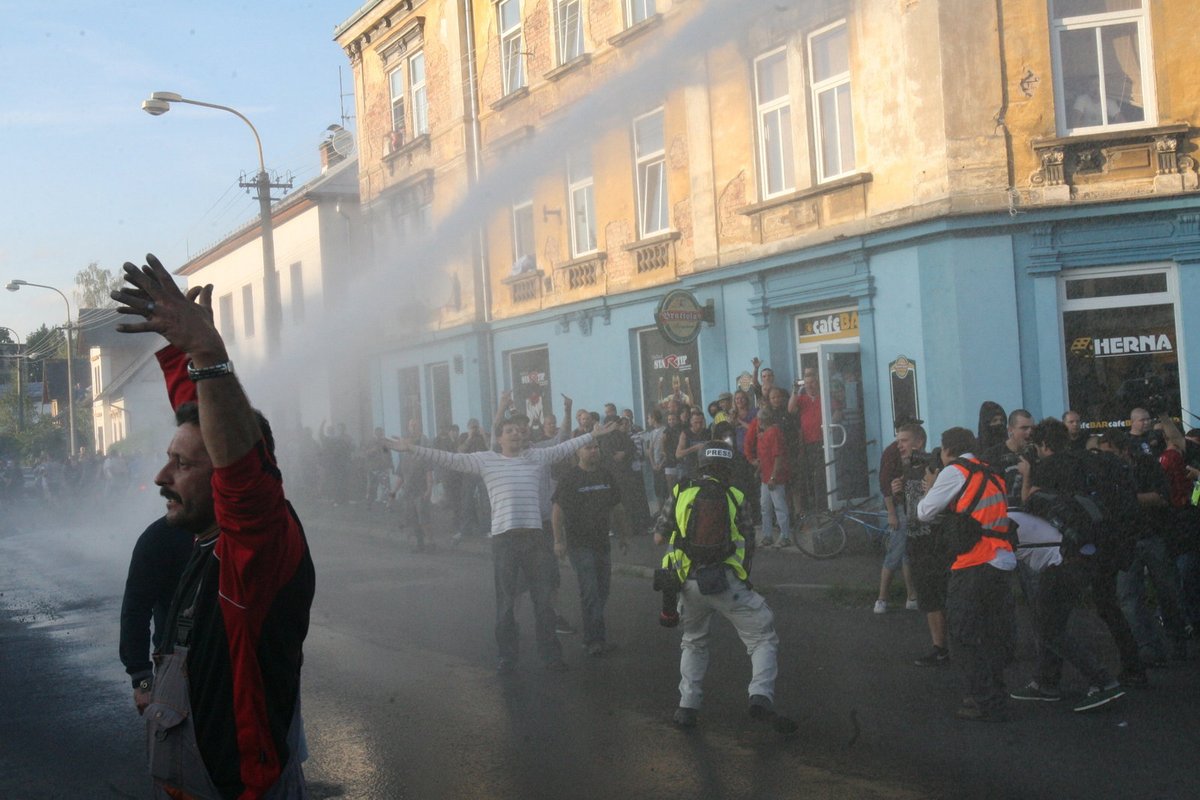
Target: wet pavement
{"type": "Point", "coordinates": [401, 699]}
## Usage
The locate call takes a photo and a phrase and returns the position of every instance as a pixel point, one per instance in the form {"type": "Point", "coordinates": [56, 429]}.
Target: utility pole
{"type": "Point", "coordinates": [272, 302]}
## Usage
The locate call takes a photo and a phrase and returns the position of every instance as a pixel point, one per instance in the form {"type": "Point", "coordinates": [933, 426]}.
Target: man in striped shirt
{"type": "Point", "coordinates": [514, 479]}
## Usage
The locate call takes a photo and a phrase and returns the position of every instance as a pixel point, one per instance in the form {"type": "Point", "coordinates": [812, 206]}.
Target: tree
{"type": "Point", "coordinates": [92, 286]}
{"type": "Point", "coordinates": [45, 342]}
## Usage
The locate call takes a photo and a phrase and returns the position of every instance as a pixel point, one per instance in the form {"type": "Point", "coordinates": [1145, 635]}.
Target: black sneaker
{"type": "Point", "coordinates": [760, 707]}
{"type": "Point", "coordinates": [557, 665]}
{"type": "Point", "coordinates": [940, 657]}
{"type": "Point", "coordinates": [562, 627]}
{"type": "Point", "coordinates": [1031, 691]}
{"type": "Point", "coordinates": [685, 717]}
{"type": "Point", "coordinates": [506, 666]}
{"type": "Point", "coordinates": [1097, 697]}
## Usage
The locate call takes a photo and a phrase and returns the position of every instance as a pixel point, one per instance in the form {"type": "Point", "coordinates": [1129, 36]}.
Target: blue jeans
{"type": "Point", "coordinates": [517, 554]}
{"type": "Point", "coordinates": [775, 508]}
{"type": "Point", "coordinates": [593, 569]}
{"type": "Point", "coordinates": [1152, 558]}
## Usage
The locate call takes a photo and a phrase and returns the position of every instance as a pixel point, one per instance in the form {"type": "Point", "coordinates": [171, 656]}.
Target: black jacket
{"type": "Point", "coordinates": [158, 559]}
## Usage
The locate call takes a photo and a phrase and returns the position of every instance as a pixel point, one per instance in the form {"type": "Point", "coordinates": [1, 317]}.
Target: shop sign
{"type": "Point", "coordinates": [903, 372]}
{"type": "Point", "coordinates": [679, 316]}
{"type": "Point", "coordinates": [824, 327]}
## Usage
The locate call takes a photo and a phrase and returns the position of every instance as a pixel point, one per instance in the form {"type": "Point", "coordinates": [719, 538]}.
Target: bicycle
{"type": "Point", "coordinates": [822, 534]}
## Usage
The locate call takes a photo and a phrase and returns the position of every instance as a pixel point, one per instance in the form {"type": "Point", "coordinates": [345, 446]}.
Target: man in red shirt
{"type": "Point", "coordinates": [224, 717]}
{"type": "Point", "coordinates": [806, 405]}
{"type": "Point", "coordinates": [771, 457]}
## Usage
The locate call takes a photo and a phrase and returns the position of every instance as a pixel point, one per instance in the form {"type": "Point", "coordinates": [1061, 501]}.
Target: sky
{"type": "Point", "coordinates": [92, 177]}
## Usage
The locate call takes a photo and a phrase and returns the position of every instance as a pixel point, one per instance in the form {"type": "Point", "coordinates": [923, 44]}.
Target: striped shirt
{"type": "Point", "coordinates": [514, 484]}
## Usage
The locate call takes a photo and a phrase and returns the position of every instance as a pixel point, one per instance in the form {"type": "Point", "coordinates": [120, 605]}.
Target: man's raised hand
{"type": "Point", "coordinates": [184, 320]}
{"type": "Point", "coordinates": [603, 429]}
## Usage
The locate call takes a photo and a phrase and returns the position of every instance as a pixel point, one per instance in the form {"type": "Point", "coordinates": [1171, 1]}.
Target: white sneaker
{"type": "Point", "coordinates": [911, 605]}
{"type": "Point", "coordinates": [881, 606]}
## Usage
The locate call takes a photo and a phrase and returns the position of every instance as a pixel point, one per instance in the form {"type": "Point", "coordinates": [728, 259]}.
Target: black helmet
{"type": "Point", "coordinates": [715, 453]}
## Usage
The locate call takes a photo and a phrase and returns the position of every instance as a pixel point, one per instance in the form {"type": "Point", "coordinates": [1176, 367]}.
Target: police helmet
{"type": "Point", "coordinates": [716, 453]}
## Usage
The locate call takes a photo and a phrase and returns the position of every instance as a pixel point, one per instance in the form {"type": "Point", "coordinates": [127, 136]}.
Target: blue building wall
{"type": "Point", "coordinates": [973, 301]}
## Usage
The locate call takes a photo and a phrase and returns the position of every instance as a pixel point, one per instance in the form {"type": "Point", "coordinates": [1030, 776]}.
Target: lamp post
{"type": "Point", "coordinates": [15, 285]}
{"type": "Point", "coordinates": [159, 104]}
{"type": "Point", "coordinates": [20, 378]}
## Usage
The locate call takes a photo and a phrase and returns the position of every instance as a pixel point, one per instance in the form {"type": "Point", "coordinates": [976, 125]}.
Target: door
{"type": "Point", "coordinates": [838, 369]}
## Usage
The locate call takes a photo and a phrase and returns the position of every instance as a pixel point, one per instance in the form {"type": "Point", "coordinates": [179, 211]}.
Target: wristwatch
{"type": "Point", "coordinates": [144, 685]}
{"type": "Point", "coordinates": [204, 373]}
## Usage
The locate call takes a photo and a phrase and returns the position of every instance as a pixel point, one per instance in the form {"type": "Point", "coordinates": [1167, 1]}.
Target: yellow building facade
{"type": "Point", "coordinates": [886, 160]}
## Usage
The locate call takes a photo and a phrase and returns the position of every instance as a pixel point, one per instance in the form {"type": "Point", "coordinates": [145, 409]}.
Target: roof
{"type": "Point", "coordinates": [340, 180]}
{"type": "Point", "coordinates": [97, 327]}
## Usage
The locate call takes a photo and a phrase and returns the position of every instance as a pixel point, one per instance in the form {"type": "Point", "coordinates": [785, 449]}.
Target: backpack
{"type": "Point", "coordinates": [1078, 517]}
{"type": "Point", "coordinates": [1110, 484]}
{"type": "Point", "coordinates": [961, 531]}
{"type": "Point", "coordinates": [709, 535]}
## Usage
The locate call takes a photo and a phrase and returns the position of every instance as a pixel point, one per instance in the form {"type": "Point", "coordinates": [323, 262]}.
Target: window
{"type": "Point", "coordinates": [581, 197]}
{"type": "Point", "coordinates": [417, 94]}
{"type": "Point", "coordinates": [409, 380]}
{"type": "Point", "coordinates": [1121, 344]}
{"type": "Point", "coordinates": [439, 390]}
{"type": "Point", "coordinates": [523, 241]}
{"type": "Point", "coordinates": [248, 310]}
{"type": "Point", "coordinates": [411, 212]}
{"type": "Point", "coordinates": [774, 124]}
{"type": "Point", "coordinates": [399, 128]}
{"type": "Point", "coordinates": [97, 387]}
{"type": "Point", "coordinates": [833, 123]}
{"type": "Point", "coordinates": [570, 30]}
{"type": "Point", "coordinates": [649, 146]}
{"type": "Point", "coordinates": [1102, 76]}
{"type": "Point", "coordinates": [511, 45]}
{"type": "Point", "coordinates": [297, 280]}
{"type": "Point", "coordinates": [225, 311]}
{"type": "Point", "coordinates": [638, 10]}
{"type": "Point", "coordinates": [407, 86]}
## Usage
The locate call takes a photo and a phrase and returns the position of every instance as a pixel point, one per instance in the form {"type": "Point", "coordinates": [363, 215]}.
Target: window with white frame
{"type": "Point", "coordinates": [637, 11]}
{"type": "Point", "coordinates": [833, 121]}
{"type": "Point", "coordinates": [777, 170]}
{"type": "Point", "coordinates": [569, 27]}
{"type": "Point", "coordinates": [524, 259]}
{"type": "Point", "coordinates": [582, 201]}
{"type": "Point", "coordinates": [296, 277]}
{"type": "Point", "coordinates": [396, 85]}
{"type": "Point", "coordinates": [248, 310]}
{"type": "Point", "coordinates": [512, 61]}
{"type": "Point", "coordinates": [649, 147]}
{"type": "Point", "coordinates": [225, 316]}
{"type": "Point", "coordinates": [418, 97]}
{"type": "Point", "coordinates": [410, 100]}
{"type": "Point", "coordinates": [1103, 76]}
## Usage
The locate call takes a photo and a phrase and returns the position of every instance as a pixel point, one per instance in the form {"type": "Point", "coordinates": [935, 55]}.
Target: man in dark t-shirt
{"type": "Point", "coordinates": [1006, 456]}
{"type": "Point", "coordinates": [587, 502]}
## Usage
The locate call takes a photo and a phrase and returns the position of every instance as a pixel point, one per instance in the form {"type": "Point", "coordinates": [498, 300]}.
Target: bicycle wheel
{"type": "Point", "coordinates": [820, 535]}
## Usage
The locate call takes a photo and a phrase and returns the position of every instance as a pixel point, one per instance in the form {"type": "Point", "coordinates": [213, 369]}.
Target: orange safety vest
{"type": "Point", "coordinates": [990, 511]}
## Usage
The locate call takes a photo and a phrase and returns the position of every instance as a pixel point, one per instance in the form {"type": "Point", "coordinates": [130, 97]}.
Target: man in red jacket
{"type": "Point", "coordinates": [224, 717]}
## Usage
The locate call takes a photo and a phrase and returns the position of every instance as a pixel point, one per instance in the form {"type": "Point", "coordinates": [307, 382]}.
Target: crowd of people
{"type": "Point", "coordinates": [1078, 516]}
{"type": "Point", "coordinates": [84, 476]}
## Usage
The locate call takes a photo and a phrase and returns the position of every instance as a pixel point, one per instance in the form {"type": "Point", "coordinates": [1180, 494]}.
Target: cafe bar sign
{"type": "Point", "coordinates": [679, 316]}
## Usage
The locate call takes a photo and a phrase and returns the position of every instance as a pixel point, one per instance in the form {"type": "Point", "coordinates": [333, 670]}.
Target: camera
{"type": "Point", "coordinates": [1030, 453]}
{"type": "Point", "coordinates": [667, 582]}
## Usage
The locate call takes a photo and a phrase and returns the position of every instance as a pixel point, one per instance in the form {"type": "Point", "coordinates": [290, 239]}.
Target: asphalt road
{"type": "Point", "coordinates": [401, 699]}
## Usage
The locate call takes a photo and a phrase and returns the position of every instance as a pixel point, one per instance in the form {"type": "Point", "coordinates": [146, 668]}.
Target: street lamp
{"type": "Point", "coordinates": [159, 104]}
{"type": "Point", "coordinates": [20, 378]}
{"type": "Point", "coordinates": [14, 286]}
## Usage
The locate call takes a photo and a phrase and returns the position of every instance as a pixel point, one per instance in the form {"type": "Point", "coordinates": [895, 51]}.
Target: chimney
{"type": "Point", "coordinates": [329, 156]}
